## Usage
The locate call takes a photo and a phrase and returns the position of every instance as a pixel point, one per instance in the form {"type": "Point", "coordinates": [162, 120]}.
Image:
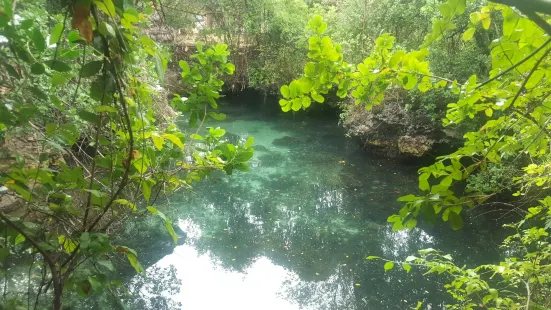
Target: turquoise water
{"type": "Point", "coordinates": [294, 232]}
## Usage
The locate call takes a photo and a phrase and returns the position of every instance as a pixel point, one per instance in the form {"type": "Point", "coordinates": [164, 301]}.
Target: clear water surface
{"type": "Point", "coordinates": [294, 232]}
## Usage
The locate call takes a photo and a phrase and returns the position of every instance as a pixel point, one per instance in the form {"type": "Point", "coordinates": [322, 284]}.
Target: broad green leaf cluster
{"type": "Point", "coordinates": [366, 82]}
{"type": "Point", "coordinates": [82, 84]}
{"type": "Point", "coordinates": [514, 133]}
{"type": "Point", "coordinates": [520, 281]}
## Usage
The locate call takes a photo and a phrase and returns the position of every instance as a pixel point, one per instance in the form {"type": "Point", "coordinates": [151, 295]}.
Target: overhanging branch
{"type": "Point", "coordinates": [540, 6]}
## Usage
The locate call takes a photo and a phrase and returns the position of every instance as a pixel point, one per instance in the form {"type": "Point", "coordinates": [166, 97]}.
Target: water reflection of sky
{"type": "Point", "coordinates": [207, 286]}
{"type": "Point", "coordinates": [204, 284]}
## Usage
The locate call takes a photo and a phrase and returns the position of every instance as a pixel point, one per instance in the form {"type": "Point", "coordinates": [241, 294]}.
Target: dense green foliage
{"type": "Point", "coordinates": [85, 122]}
{"type": "Point", "coordinates": [515, 132]}
{"type": "Point", "coordinates": [81, 83]}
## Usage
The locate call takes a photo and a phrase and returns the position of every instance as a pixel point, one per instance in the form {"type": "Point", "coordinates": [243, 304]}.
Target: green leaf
{"type": "Point", "coordinates": [26, 24]}
{"type": "Point", "coordinates": [107, 30]}
{"type": "Point", "coordinates": [410, 81]}
{"type": "Point", "coordinates": [58, 66]}
{"type": "Point", "coordinates": [174, 139]}
{"type": "Point", "coordinates": [285, 105]}
{"type": "Point", "coordinates": [321, 29]}
{"type": "Point", "coordinates": [423, 182]}
{"type": "Point", "coordinates": [217, 132]}
{"type": "Point", "coordinates": [91, 68]}
{"type": "Point", "coordinates": [249, 142]}
{"type": "Point", "coordinates": [146, 190]}
{"type": "Point", "coordinates": [486, 20]}
{"type": "Point", "coordinates": [152, 210]}
{"type": "Point", "coordinates": [195, 136]}
{"type": "Point", "coordinates": [535, 78]}
{"type": "Point", "coordinates": [411, 223]}
{"type": "Point", "coordinates": [317, 97]}
{"type": "Point", "coordinates": [456, 221]}
{"type": "Point", "coordinates": [37, 68]}
{"type": "Point", "coordinates": [58, 79]}
{"type": "Point", "coordinates": [110, 7]}
{"type": "Point", "coordinates": [159, 67]}
{"type": "Point", "coordinates": [185, 66]}
{"type": "Point", "coordinates": [407, 267]}
{"type": "Point", "coordinates": [158, 141]}
{"type": "Point", "coordinates": [285, 91]}
{"type": "Point", "coordinates": [389, 266]}
{"type": "Point", "coordinates": [39, 93]}
{"type": "Point", "coordinates": [230, 68]}
{"type": "Point", "coordinates": [55, 35]}
{"type": "Point", "coordinates": [306, 84]}
{"type": "Point", "coordinates": [461, 6]}
{"type": "Point", "coordinates": [11, 71]}
{"type": "Point", "coordinates": [244, 156]}
{"type": "Point", "coordinates": [396, 58]}
{"type": "Point", "coordinates": [135, 263]}
{"type": "Point", "coordinates": [24, 193]}
{"type": "Point", "coordinates": [107, 264]}
{"type": "Point", "coordinates": [106, 108]}
{"type": "Point", "coordinates": [242, 167]}
{"type": "Point", "coordinates": [409, 197]}
{"type": "Point", "coordinates": [84, 240]}
{"type": "Point", "coordinates": [364, 69]}
{"type": "Point", "coordinates": [372, 257]}
{"type": "Point", "coordinates": [217, 116]}
{"type": "Point", "coordinates": [171, 231]}
{"type": "Point", "coordinates": [296, 104]}
{"type": "Point", "coordinates": [310, 69]}
{"type": "Point", "coordinates": [446, 9]}
{"type": "Point", "coordinates": [306, 102]}
{"type": "Point", "coordinates": [89, 117]}
{"type": "Point", "coordinates": [8, 9]}
{"type": "Point", "coordinates": [38, 40]}
{"type": "Point", "coordinates": [19, 239]}
{"type": "Point", "coordinates": [294, 89]}
{"type": "Point", "coordinates": [95, 284]}
{"type": "Point", "coordinates": [469, 34]}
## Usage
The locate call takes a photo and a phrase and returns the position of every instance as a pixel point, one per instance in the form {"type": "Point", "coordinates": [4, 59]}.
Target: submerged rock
{"type": "Point", "coordinates": [260, 148]}
{"type": "Point", "coordinates": [287, 141]}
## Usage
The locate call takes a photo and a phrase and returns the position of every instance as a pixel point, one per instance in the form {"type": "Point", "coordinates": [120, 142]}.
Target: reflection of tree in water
{"type": "Point", "coordinates": [350, 282]}
{"type": "Point", "coordinates": [154, 291]}
{"type": "Point", "coordinates": [151, 292]}
{"type": "Point", "coordinates": [307, 209]}
{"type": "Point", "coordinates": [335, 292]}
{"type": "Point", "coordinates": [323, 235]}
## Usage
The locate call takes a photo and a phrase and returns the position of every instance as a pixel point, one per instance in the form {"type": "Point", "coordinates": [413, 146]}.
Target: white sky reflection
{"type": "Point", "coordinates": [206, 286]}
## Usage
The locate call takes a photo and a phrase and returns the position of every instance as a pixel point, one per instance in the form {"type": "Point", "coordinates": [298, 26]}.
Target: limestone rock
{"type": "Point", "coordinates": [390, 130]}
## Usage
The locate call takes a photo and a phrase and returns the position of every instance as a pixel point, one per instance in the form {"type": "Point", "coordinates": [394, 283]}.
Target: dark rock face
{"type": "Point", "coordinates": [391, 131]}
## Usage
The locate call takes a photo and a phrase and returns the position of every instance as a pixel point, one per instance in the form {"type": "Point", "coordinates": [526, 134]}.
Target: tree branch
{"type": "Point", "coordinates": [49, 260]}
